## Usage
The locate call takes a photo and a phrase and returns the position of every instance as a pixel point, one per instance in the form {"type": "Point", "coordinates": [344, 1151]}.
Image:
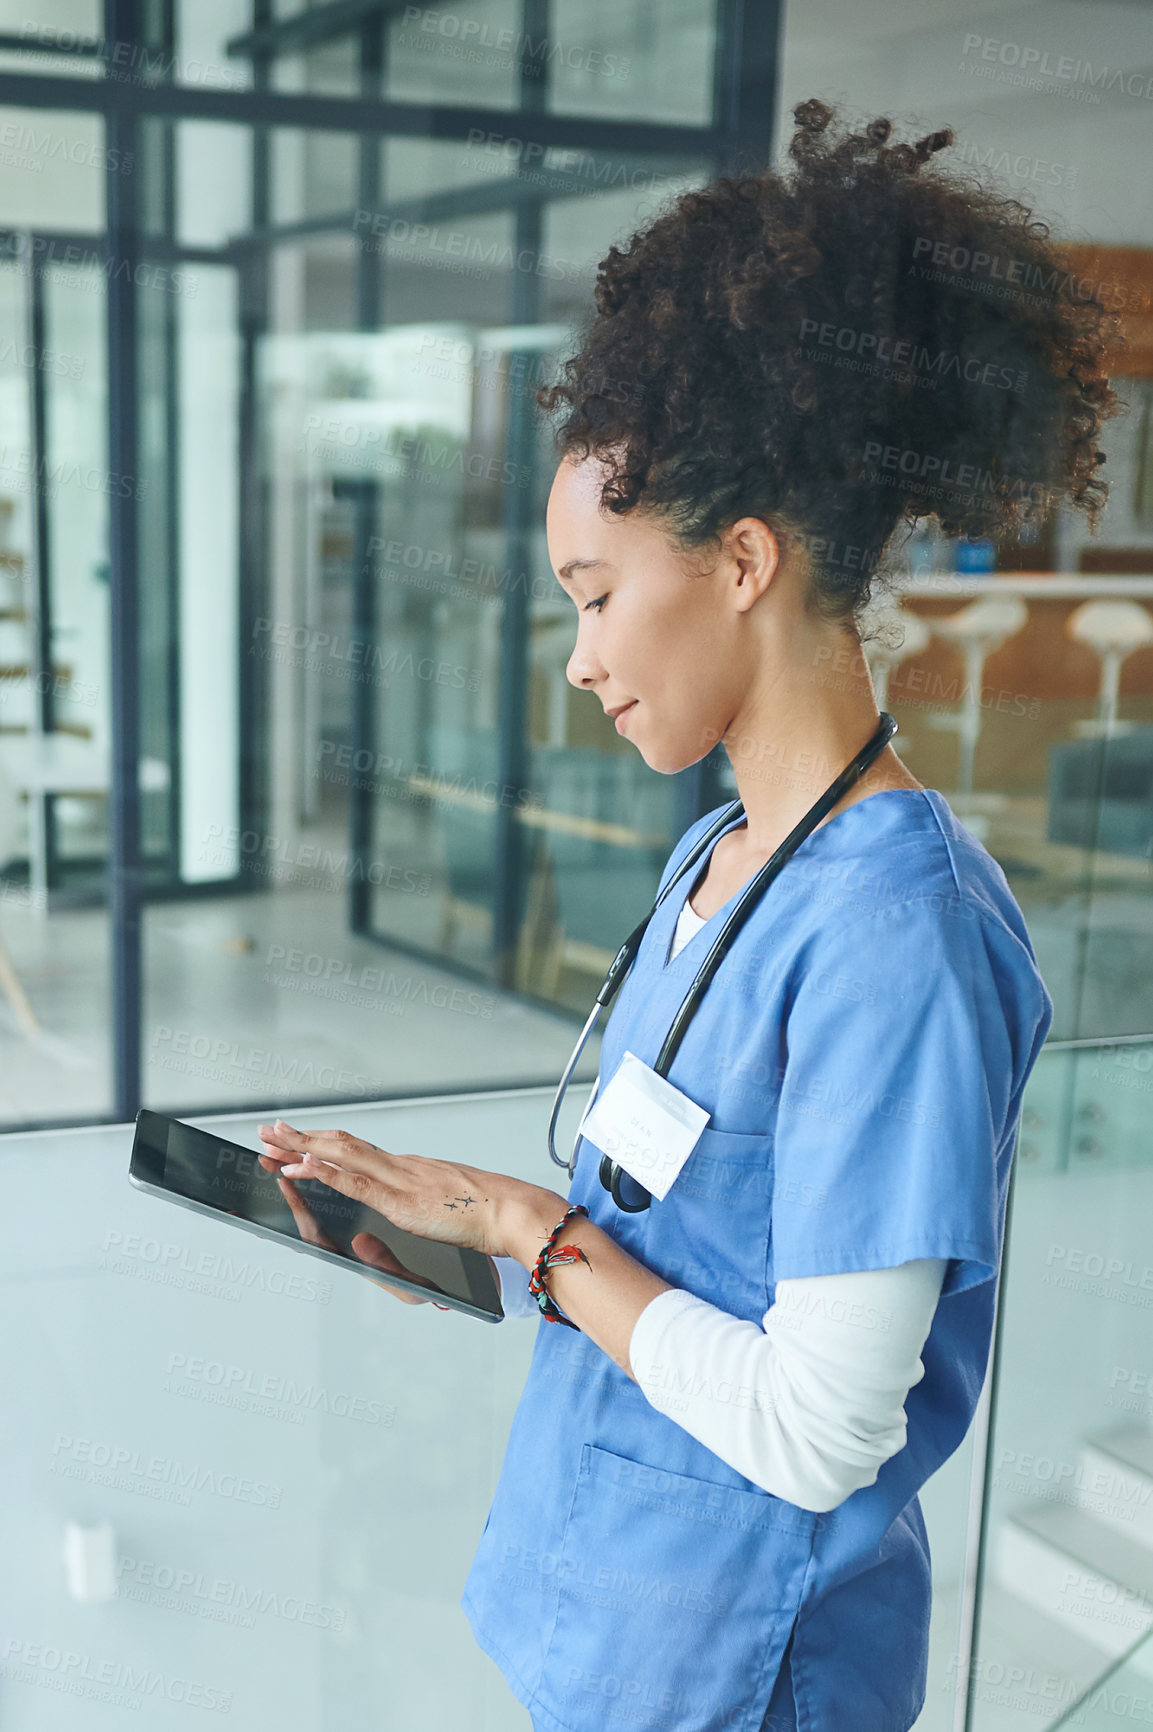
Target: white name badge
{"type": "Point", "coordinates": [645, 1124]}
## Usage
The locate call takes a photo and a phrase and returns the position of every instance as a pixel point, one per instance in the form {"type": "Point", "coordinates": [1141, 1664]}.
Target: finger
{"type": "Point", "coordinates": [335, 1148]}
{"type": "Point", "coordinates": [371, 1193]}
{"type": "Point", "coordinates": [274, 1160]}
{"type": "Point", "coordinates": [282, 1142]}
{"type": "Point", "coordinates": [312, 1167]}
{"type": "Point", "coordinates": [273, 1151]}
{"type": "Point", "coordinates": [277, 1161]}
{"type": "Point", "coordinates": [281, 1135]}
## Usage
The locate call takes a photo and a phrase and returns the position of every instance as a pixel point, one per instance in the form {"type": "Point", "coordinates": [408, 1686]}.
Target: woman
{"type": "Point", "coordinates": [708, 1512]}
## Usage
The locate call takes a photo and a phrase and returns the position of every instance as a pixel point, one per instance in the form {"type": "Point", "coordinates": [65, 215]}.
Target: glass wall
{"type": "Point", "coordinates": [1067, 1595]}
{"type": "Point", "coordinates": [55, 698]}
{"type": "Point", "coordinates": [362, 784]}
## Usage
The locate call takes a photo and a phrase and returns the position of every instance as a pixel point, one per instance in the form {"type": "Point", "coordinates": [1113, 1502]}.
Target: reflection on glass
{"type": "Point", "coordinates": [1069, 1520]}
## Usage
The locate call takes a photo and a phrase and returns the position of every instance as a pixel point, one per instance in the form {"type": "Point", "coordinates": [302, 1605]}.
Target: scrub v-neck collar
{"type": "Point", "coordinates": [679, 900]}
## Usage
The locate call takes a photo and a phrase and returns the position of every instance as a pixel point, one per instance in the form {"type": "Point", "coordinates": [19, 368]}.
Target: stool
{"type": "Point", "coordinates": [1112, 630]}
{"type": "Point", "coordinates": [977, 630]}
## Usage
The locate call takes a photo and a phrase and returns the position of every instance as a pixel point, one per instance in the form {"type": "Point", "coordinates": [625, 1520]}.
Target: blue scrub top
{"type": "Point", "coordinates": [862, 1052]}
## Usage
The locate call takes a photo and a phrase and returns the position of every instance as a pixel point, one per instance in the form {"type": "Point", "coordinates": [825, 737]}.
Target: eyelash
{"type": "Point", "coordinates": [598, 603]}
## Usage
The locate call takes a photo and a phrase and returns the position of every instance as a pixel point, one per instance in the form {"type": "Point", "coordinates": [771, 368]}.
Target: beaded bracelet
{"type": "Point", "coordinates": [550, 1258]}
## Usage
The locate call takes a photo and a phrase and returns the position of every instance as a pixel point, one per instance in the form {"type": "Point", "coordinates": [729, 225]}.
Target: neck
{"type": "Point", "coordinates": [793, 738]}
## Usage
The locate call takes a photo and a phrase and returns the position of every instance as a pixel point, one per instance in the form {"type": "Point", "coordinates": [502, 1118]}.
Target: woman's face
{"type": "Point", "coordinates": [652, 631]}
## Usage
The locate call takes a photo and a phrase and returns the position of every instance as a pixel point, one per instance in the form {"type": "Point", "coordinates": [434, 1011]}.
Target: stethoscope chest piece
{"type": "Point", "coordinates": [626, 1192]}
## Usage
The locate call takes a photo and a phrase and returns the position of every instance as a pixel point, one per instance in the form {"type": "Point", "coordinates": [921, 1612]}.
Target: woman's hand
{"type": "Point", "coordinates": [487, 1212]}
{"type": "Point", "coordinates": [367, 1246]}
{"type": "Point", "coordinates": [442, 1200]}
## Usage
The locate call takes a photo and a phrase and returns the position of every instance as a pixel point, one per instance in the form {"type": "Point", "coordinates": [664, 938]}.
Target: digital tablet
{"type": "Point", "coordinates": [204, 1172]}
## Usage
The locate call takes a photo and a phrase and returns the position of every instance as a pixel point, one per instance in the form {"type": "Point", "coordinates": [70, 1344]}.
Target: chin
{"type": "Point", "coordinates": [667, 761]}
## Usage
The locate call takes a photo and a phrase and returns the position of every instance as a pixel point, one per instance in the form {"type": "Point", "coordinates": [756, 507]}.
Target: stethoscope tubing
{"type": "Point", "coordinates": [618, 969]}
{"type": "Point", "coordinates": [610, 1171]}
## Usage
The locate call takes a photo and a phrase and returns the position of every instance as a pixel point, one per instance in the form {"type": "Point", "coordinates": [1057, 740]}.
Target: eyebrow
{"type": "Point", "coordinates": [566, 571]}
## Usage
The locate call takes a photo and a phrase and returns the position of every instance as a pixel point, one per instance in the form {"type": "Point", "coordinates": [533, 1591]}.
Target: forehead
{"type": "Point", "coordinates": [575, 496]}
{"type": "Point", "coordinates": [579, 527]}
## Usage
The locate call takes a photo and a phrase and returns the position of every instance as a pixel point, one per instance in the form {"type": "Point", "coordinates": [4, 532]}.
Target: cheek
{"type": "Point", "coordinates": [668, 657]}
{"type": "Point", "coordinates": [677, 644]}
{"type": "Point", "coordinates": [691, 659]}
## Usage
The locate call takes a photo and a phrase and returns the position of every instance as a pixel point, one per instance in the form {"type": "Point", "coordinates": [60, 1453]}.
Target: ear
{"type": "Point", "coordinates": [756, 550]}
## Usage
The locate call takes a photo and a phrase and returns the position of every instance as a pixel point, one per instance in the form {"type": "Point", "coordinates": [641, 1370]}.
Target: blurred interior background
{"type": "Point", "coordinates": [296, 803]}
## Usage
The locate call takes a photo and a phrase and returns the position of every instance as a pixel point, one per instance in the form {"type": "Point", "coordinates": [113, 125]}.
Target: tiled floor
{"type": "Point", "coordinates": [251, 1000]}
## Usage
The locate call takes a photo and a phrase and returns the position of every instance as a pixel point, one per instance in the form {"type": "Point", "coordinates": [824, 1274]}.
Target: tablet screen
{"type": "Point", "coordinates": [191, 1163]}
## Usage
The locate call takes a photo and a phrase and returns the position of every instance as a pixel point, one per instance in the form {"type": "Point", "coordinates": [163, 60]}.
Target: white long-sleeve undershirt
{"type": "Point", "coordinates": [811, 1405]}
{"type": "Point", "coordinates": [808, 1405]}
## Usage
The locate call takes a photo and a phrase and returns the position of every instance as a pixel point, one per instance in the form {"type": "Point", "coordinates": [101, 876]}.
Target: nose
{"type": "Point", "coordinates": [583, 669]}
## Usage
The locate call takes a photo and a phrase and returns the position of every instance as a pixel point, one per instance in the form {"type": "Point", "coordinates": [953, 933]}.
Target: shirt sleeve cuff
{"type": "Point", "coordinates": [515, 1298]}
{"type": "Point", "coordinates": [645, 1342]}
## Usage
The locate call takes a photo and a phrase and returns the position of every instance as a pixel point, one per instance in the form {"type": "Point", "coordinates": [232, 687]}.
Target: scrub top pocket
{"type": "Point", "coordinates": [668, 1588]}
{"type": "Point", "coordinates": [713, 1231]}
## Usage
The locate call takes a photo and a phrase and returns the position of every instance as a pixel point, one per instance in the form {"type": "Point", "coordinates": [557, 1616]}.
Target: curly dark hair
{"type": "Point", "coordinates": [863, 341]}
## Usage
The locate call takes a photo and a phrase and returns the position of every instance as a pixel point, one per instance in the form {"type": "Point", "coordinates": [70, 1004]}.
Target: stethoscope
{"type": "Point", "coordinates": [612, 1175]}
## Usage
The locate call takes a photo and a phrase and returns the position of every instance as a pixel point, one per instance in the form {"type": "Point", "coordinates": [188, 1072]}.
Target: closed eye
{"type": "Point", "coordinates": [599, 602]}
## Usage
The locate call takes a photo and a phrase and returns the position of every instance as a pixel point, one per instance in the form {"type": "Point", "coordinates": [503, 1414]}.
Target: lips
{"type": "Point", "coordinates": [619, 715]}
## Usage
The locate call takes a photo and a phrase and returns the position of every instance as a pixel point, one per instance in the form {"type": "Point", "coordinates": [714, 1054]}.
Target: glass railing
{"type": "Point", "coordinates": [251, 1482]}
{"type": "Point", "coordinates": [1065, 1595]}
{"type": "Point", "coordinates": [1125, 1691]}
{"type": "Point", "coordinates": [216, 1442]}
